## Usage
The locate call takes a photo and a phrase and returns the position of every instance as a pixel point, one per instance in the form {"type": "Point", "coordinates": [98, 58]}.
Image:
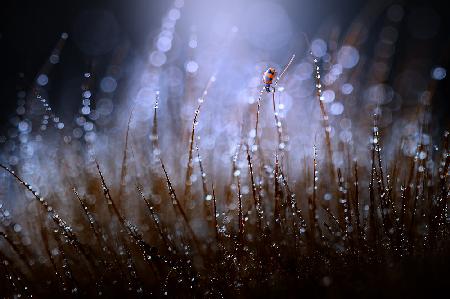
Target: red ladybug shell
{"type": "Point", "coordinates": [268, 77]}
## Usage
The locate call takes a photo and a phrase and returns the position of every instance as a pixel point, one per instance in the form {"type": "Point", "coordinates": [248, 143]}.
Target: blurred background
{"type": "Point", "coordinates": [30, 29]}
{"type": "Point", "coordinates": [73, 72]}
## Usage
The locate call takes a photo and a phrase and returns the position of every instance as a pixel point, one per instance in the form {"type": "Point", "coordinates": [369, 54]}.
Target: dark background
{"type": "Point", "coordinates": [30, 29]}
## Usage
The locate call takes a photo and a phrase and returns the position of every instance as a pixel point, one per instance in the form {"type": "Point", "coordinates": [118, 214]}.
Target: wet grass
{"type": "Point", "coordinates": [280, 241]}
{"type": "Point", "coordinates": [369, 228]}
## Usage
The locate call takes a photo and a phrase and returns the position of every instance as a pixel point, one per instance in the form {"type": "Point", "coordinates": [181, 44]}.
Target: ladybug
{"type": "Point", "coordinates": [268, 77]}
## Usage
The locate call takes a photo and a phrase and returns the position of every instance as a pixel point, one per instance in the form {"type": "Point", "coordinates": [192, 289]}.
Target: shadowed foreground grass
{"type": "Point", "coordinates": [326, 234]}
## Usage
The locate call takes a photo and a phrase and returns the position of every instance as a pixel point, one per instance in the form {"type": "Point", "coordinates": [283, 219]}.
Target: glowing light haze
{"type": "Point", "coordinates": [215, 52]}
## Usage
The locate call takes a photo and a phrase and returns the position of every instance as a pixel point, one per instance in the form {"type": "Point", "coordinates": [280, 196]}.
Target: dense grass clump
{"type": "Point", "coordinates": [327, 233]}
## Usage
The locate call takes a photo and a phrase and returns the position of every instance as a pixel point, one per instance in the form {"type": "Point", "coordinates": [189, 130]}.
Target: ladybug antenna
{"type": "Point", "coordinates": [284, 70]}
